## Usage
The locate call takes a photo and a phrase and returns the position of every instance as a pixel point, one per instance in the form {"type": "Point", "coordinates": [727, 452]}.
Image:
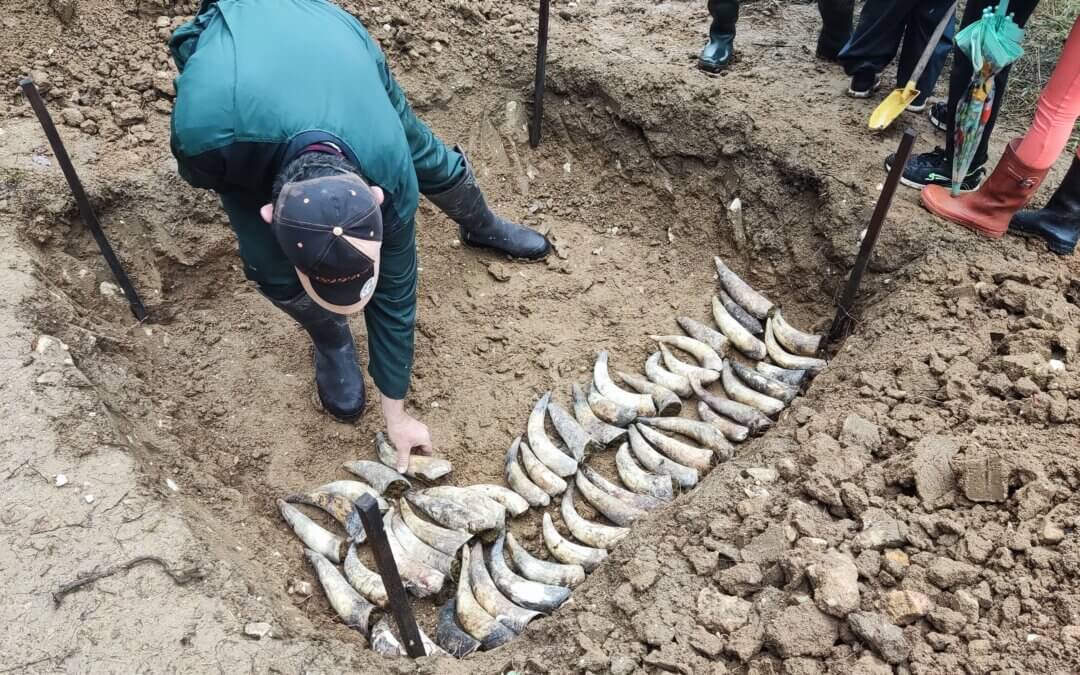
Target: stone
{"type": "Point", "coordinates": [880, 530]}
{"type": "Point", "coordinates": [896, 562]}
{"type": "Point", "coordinates": [983, 478]}
{"type": "Point", "coordinates": [1016, 366]}
{"type": "Point", "coordinates": [741, 579]}
{"type": "Point", "coordinates": [717, 611]}
{"type": "Point", "coordinates": [886, 639]}
{"type": "Point", "coordinates": [934, 481]}
{"type": "Point", "coordinates": [978, 547]}
{"type": "Point", "coordinates": [967, 604]}
{"type": "Point", "coordinates": [836, 462]}
{"type": "Point", "coordinates": [746, 641]}
{"type": "Point", "coordinates": [707, 643]}
{"type": "Point", "coordinates": [702, 560]}
{"type": "Point", "coordinates": [861, 433]}
{"type": "Point", "coordinates": [854, 498]}
{"type": "Point", "coordinates": [257, 630]}
{"type": "Point", "coordinates": [128, 114]}
{"type": "Point", "coordinates": [905, 607]}
{"type": "Point", "coordinates": [821, 488]}
{"type": "Point", "coordinates": [762, 474]}
{"type": "Point", "coordinates": [836, 583]}
{"type": "Point", "coordinates": [940, 642]}
{"type": "Point", "coordinates": [1026, 387]}
{"type": "Point", "coordinates": [72, 116]}
{"type": "Point", "coordinates": [787, 468]}
{"type": "Point", "coordinates": [868, 563]}
{"type": "Point", "coordinates": [1051, 533]}
{"type": "Point", "coordinates": [623, 665]}
{"type": "Point", "coordinates": [946, 573]}
{"type": "Point", "coordinates": [768, 546]}
{"type": "Point", "coordinates": [946, 620]}
{"type": "Point", "coordinates": [164, 84]}
{"type": "Point", "coordinates": [802, 630]}
{"type": "Point", "coordinates": [111, 291]}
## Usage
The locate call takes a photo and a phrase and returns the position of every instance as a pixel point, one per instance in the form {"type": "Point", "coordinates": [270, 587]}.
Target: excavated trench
{"type": "Point", "coordinates": [214, 393]}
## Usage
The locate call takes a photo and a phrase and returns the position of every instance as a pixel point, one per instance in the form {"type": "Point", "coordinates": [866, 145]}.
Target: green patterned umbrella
{"type": "Point", "coordinates": [991, 43]}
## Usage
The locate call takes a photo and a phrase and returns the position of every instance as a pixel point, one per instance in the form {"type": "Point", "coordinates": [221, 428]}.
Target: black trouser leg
{"type": "Point", "coordinates": [877, 36]}
{"type": "Point", "coordinates": [724, 13]}
{"type": "Point", "coordinates": [923, 21]}
{"type": "Point", "coordinates": [719, 49]}
{"type": "Point", "coordinates": [836, 18]}
{"type": "Point", "coordinates": [962, 72]}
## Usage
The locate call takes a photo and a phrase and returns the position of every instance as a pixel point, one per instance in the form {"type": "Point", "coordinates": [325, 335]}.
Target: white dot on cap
{"type": "Point", "coordinates": [338, 231]}
{"type": "Point", "coordinates": [306, 200]}
{"type": "Point", "coordinates": [299, 244]}
{"type": "Point", "coordinates": [352, 192]}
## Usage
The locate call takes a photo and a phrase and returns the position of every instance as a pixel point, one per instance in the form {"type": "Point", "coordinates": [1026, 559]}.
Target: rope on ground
{"type": "Point", "coordinates": [179, 577]}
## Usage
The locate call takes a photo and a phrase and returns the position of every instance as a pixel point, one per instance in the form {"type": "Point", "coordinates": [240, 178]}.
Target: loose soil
{"type": "Point", "coordinates": [877, 467]}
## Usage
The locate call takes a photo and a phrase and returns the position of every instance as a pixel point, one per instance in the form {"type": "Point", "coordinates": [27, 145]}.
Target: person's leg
{"type": "Point", "coordinates": [720, 48]}
{"type": "Point", "coordinates": [1058, 223]}
{"type": "Point", "coordinates": [935, 167]}
{"type": "Point", "coordinates": [836, 16]}
{"type": "Point", "coordinates": [338, 380]}
{"type": "Point", "coordinates": [874, 43]}
{"type": "Point", "coordinates": [962, 73]}
{"type": "Point", "coordinates": [1057, 110]}
{"type": "Point", "coordinates": [925, 19]}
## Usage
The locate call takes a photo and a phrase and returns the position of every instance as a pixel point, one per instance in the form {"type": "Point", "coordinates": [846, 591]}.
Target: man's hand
{"type": "Point", "coordinates": [407, 434]}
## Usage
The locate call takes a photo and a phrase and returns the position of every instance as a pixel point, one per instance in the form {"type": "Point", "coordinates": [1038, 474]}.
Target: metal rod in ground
{"type": "Point", "coordinates": [541, 70]}
{"type": "Point", "coordinates": [89, 218]}
{"type": "Point", "coordinates": [368, 510]}
{"type": "Point", "coordinates": [847, 302]}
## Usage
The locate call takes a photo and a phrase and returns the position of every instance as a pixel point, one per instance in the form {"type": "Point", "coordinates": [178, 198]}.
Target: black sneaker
{"type": "Point", "coordinates": [919, 104]}
{"type": "Point", "coordinates": [863, 84]}
{"type": "Point", "coordinates": [939, 115]}
{"type": "Point", "coordinates": [932, 168]}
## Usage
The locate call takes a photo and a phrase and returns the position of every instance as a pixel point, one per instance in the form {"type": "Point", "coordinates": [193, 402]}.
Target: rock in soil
{"type": "Point", "coordinates": [883, 637]}
{"type": "Point", "coordinates": [904, 607]}
{"type": "Point", "coordinates": [836, 583]}
{"type": "Point", "coordinates": [802, 630]}
{"type": "Point", "coordinates": [717, 611]}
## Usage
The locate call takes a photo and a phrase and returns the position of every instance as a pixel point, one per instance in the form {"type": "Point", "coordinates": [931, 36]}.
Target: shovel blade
{"type": "Point", "coordinates": [889, 109]}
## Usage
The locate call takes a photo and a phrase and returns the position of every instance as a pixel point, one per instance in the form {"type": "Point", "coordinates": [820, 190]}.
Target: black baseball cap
{"type": "Point", "coordinates": [322, 225]}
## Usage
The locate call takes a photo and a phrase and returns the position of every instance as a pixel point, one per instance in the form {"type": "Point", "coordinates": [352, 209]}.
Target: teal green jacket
{"type": "Point", "coordinates": [262, 79]}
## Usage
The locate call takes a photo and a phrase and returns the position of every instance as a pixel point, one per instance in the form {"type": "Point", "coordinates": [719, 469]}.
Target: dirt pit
{"type": "Point", "coordinates": [851, 538]}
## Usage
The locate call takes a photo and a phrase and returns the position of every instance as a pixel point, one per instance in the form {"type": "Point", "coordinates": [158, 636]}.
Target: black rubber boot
{"type": "Point", "coordinates": [1057, 223]}
{"type": "Point", "coordinates": [338, 380]}
{"type": "Point", "coordinates": [720, 49]}
{"type": "Point", "coordinates": [479, 226]}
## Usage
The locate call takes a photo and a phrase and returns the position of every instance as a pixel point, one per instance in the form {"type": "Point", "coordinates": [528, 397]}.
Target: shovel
{"type": "Point", "coordinates": [898, 101]}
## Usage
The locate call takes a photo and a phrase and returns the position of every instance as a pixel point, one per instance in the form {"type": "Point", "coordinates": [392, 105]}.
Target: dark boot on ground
{"type": "Point", "coordinates": [720, 49]}
{"type": "Point", "coordinates": [479, 226]}
{"type": "Point", "coordinates": [1057, 223]}
{"type": "Point", "coordinates": [988, 209]}
{"type": "Point", "coordinates": [338, 380]}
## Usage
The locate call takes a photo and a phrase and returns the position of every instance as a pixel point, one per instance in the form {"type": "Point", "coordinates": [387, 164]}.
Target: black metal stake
{"type": "Point", "coordinates": [541, 69]}
{"type": "Point", "coordinates": [844, 310]}
{"type": "Point", "coordinates": [89, 218]}
{"type": "Point", "coordinates": [368, 510]}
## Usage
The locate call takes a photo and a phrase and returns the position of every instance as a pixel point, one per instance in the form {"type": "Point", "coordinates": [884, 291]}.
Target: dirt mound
{"type": "Point", "coordinates": [914, 513]}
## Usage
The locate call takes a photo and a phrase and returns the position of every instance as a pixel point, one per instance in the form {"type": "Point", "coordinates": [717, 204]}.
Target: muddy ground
{"type": "Point", "coordinates": [863, 552]}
